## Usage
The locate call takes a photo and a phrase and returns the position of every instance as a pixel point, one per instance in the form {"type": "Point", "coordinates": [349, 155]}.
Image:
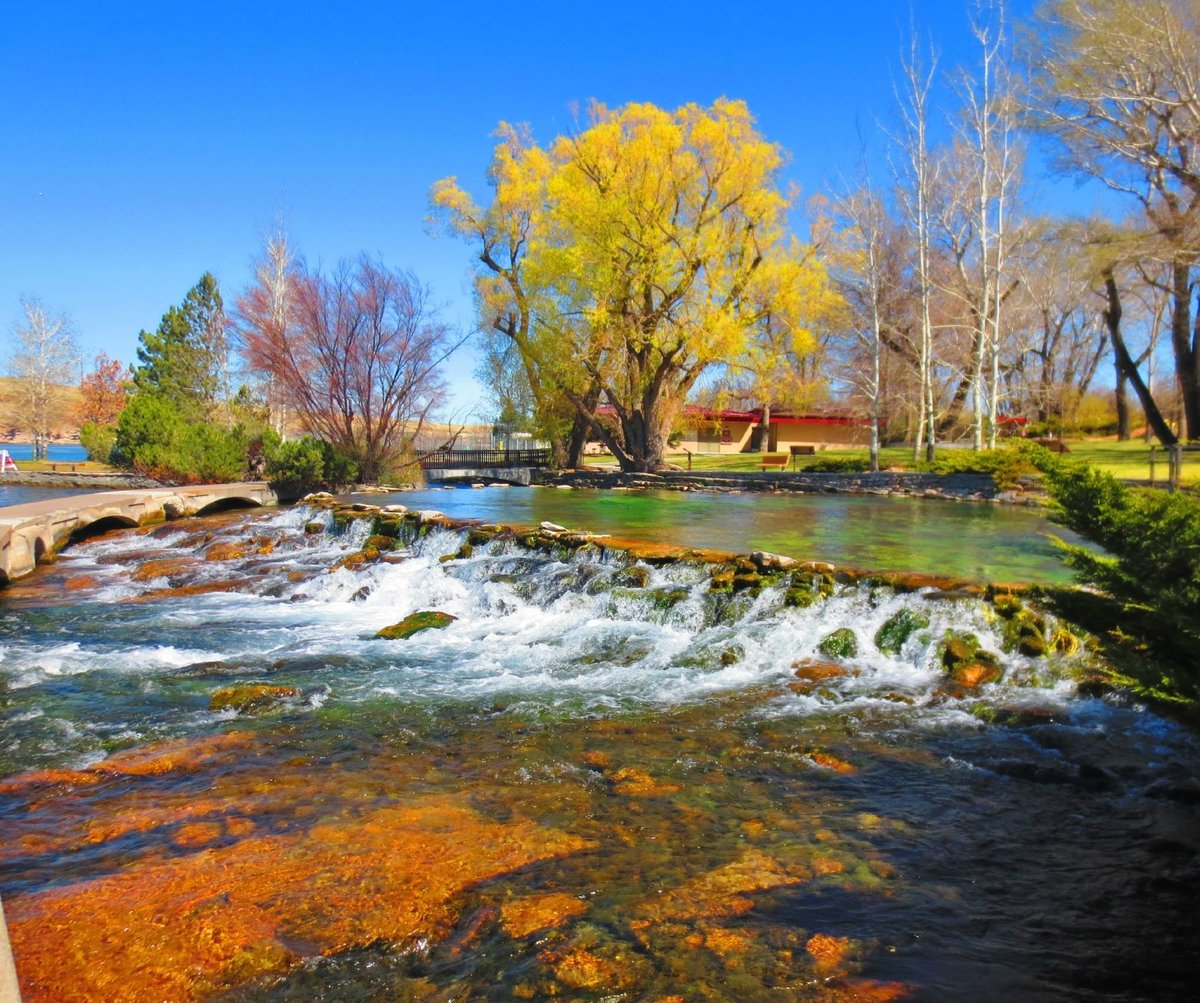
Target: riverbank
{"type": "Point", "coordinates": [958, 487]}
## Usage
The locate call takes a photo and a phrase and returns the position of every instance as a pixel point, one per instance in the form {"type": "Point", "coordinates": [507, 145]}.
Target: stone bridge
{"type": "Point", "coordinates": [31, 531]}
{"type": "Point", "coordinates": [505, 475]}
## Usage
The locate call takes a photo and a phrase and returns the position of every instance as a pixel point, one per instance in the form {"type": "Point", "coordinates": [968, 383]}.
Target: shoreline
{"type": "Point", "coordinates": [49, 479]}
{"type": "Point", "coordinates": [952, 487]}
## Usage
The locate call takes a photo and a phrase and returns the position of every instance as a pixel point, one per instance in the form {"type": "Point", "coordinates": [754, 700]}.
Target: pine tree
{"type": "Point", "coordinates": [182, 361]}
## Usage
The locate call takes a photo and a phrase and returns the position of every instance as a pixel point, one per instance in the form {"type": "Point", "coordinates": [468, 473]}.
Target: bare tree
{"type": "Point", "coordinates": [357, 358]}
{"type": "Point", "coordinates": [1064, 339]}
{"type": "Point", "coordinates": [1118, 82]}
{"type": "Point", "coordinates": [921, 173]}
{"type": "Point", "coordinates": [43, 362]}
{"type": "Point", "coordinates": [865, 286]}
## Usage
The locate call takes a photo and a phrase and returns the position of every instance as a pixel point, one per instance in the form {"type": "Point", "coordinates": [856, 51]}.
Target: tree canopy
{"type": "Point", "coordinates": [629, 259]}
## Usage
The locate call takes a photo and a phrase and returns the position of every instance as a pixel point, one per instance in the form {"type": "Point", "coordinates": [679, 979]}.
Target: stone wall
{"type": "Point", "coordinates": [965, 487]}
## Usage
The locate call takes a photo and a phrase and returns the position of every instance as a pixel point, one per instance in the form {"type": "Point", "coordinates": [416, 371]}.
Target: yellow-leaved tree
{"type": "Point", "coordinates": [630, 258]}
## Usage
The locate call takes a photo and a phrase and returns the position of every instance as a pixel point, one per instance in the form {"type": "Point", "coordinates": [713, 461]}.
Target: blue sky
{"type": "Point", "coordinates": [147, 142]}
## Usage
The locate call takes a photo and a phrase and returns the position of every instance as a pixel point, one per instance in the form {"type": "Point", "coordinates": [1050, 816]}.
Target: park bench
{"type": "Point", "coordinates": [54, 467]}
{"type": "Point", "coordinates": [776, 460]}
{"type": "Point", "coordinates": [801, 451]}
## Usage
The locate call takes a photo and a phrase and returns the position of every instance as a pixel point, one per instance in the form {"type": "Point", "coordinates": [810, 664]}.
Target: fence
{"type": "Point", "coordinates": [1174, 460]}
{"type": "Point", "coordinates": [478, 459]}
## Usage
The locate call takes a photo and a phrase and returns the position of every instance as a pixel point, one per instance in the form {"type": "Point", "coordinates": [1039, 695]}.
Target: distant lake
{"type": "Point", "coordinates": [21, 494]}
{"type": "Point", "coordinates": [61, 452]}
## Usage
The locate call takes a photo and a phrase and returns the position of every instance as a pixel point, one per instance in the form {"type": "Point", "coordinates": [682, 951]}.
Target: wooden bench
{"type": "Point", "coordinates": [54, 467]}
{"type": "Point", "coordinates": [777, 460]}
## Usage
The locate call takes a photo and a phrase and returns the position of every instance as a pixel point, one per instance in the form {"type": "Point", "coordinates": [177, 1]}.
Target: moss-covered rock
{"type": "Point", "coordinates": [251, 699]}
{"type": "Point", "coordinates": [745, 580]}
{"type": "Point", "coordinates": [314, 528]}
{"type": "Point", "coordinates": [635, 576]}
{"type": "Point", "coordinates": [898, 628]}
{"type": "Point", "coordinates": [1007, 606]}
{"type": "Point", "coordinates": [958, 649]}
{"type": "Point", "coordinates": [975, 674]}
{"type": "Point", "coordinates": [414, 623]}
{"type": "Point", "coordinates": [1033, 646]}
{"type": "Point", "coordinates": [667, 598]}
{"type": "Point", "coordinates": [840, 644]}
{"type": "Point", "coordinates": [800, 598]}
{"type": "Point", "coordinates": [966, 663]}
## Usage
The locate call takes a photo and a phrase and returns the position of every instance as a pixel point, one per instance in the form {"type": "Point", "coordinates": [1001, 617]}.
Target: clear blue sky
{"type": "Point", "coordinates": [146, 141]}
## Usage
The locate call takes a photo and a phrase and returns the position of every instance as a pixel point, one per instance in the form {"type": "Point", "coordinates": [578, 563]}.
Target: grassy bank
{"type": "Point", "coordinates": [1127, 461]}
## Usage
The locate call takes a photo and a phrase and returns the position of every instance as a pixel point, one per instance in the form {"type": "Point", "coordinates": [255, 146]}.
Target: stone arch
{"type": "Point", "coordinates": [97, 527]}
{"type": "Point", "coordinates": [227, 504]}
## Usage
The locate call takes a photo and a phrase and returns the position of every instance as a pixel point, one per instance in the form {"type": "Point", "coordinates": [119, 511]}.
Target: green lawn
{"type": "Point", "coordinates": [1125, 460]}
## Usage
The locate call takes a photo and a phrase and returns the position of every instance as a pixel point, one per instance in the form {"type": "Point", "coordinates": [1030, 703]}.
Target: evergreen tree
{"type": "Point", "coordinates": [183, 360]}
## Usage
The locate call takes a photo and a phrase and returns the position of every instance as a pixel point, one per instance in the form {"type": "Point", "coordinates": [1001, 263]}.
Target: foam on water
{"type": "Point", "coordinates": [531, 630]}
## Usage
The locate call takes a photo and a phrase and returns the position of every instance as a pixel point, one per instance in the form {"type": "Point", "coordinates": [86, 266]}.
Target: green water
{"type": "Point", "coordinates": [978, 542]}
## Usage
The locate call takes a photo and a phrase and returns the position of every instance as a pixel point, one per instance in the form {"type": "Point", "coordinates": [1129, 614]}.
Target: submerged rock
{"type": "Point", "coordinates": [531, 913]}
{"type": "Point", "coordinates": [252, 698]}
{"type": "Point", "coordinates": [196, 924]}
{"type": "Point", "coordinates": [416, 622]}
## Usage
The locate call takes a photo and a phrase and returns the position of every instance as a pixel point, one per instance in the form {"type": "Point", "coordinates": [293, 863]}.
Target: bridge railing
{"type": "Point", "coordinates": [475, 459]}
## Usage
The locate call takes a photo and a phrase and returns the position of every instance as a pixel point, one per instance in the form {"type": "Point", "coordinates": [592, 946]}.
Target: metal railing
{"type": "Point", "coordinates": [475, 459]}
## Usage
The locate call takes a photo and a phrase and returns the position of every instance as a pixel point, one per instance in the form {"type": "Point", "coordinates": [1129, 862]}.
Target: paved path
{"type": "Point", "coordinates": [31, 531]}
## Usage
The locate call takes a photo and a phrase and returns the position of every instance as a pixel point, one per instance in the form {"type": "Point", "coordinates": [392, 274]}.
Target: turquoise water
{"type": "Point", "coordinates": [978, 542]}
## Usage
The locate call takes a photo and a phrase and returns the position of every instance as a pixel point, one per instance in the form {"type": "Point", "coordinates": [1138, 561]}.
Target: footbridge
{"type": "Point", "coordinates": [29, 532]}
{"type": "Point", "coordinates": [510, 466]}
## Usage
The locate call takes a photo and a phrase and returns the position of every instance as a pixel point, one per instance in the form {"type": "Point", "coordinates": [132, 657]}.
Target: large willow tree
{"type": "Point", "coordinates": [627, 260]}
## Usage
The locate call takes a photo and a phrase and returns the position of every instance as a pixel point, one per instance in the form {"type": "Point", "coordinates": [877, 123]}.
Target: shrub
{"type": "Point", "coordinates": [846, 465]}
{"type": "Point", "coordinates": [1007, 466]}
{"type": "Point", "coordinates": [1150, 565]}
{"type": "Point", "coordinates": [296, 468]}
{"type": "Point", "coordinates": [152, 438]}
{"type": "Point", "coordinates": [98, 440]}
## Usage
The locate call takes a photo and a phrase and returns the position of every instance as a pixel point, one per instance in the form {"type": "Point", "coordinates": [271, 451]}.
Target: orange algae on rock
{"type": "Point", "coordinates": [579, 968]}
{"type": "Point", "coordinates": [828, 762]}
{"type": "Point", "coordinates": [863, 991]}
{"type": "Point", "coordinates": [225, 551]}
{"type": "Point", "coordinates": [198, 834]}
{"type": "Point", "coordinates": [189, 926]}
{"type": "Point", "coordinates": [828, 953]}
{"type": "Point", "coordinates": [633, 782]}
{"type": "Point", "coordinates": [146, 760]}
{"type": "Point", "coordinates": [723, 891]}
{"type": "Point", "coordinates": [726, 942]}
{"type": "Point", "coordinates": [527, 915]}
{"type": "Point", "coordinates": [165, 567]}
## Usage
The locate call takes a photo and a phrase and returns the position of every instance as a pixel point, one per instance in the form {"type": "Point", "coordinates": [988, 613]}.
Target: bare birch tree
{"type": "Point", "coordinates": [43, 361]}
{"type": "Point", "coordinates": [921, 174]}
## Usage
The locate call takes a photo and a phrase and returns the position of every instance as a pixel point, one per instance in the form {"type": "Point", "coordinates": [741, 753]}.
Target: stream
{"type": "Point", "coordinates": [604, 779]}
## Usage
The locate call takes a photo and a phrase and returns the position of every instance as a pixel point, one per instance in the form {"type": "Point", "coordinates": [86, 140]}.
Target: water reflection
{"type": "Point", "coordinates": [975, 541]}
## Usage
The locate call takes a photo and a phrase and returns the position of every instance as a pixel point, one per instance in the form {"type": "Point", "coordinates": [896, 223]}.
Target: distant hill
{"type": "Point", "coordinates": [13, 429]}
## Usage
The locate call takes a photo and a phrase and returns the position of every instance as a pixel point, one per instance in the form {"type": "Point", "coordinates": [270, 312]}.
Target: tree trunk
{"type": "Point", "coordinates": [1122, 401]}
{"type": "Point", "coordinates": [579, 432]}
{"type": "Point", "coordinates": [1126, 366]}
{"type": "Point", "coordinates": [1186, 356]}
{"type": "Point", "coordinates": [764, 441]}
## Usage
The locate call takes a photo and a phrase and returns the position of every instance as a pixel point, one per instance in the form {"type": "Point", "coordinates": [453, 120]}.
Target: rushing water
{"type": "Point", "coordinates": [983, 543]}
{"type": "Point", "coordinates": [598, 782]}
